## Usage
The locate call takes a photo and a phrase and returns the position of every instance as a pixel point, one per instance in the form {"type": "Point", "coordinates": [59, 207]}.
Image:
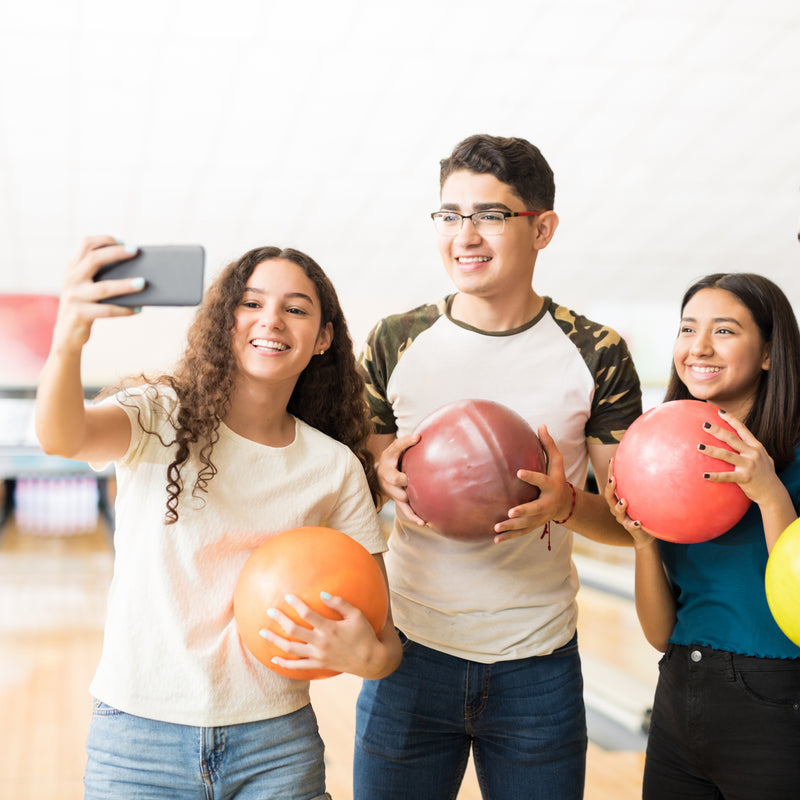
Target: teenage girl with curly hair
{"type": "Point", "coordinates": [260, 428]}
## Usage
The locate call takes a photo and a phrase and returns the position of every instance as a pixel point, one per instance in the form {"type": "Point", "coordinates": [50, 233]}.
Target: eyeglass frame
{"type": "Point", "coordinates": [504, 214]}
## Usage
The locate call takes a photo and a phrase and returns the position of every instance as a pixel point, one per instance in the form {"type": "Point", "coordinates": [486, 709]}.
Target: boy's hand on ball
{"type": "Point", "coordinates": [554, 493]}
{"type": "Point", "coordinates": [392, 481]}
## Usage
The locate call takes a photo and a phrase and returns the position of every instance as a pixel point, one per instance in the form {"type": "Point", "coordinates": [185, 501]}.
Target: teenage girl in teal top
{"type": "Point", "coordinates": [726, 716]}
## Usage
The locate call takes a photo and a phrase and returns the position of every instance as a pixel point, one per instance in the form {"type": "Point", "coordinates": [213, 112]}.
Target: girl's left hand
{"type": "Point", "coordinates": [754, 469]}
{"type": "Point", "coordinates": [345, 645]}
{"type": "Point", "coordinates": [619, 508]}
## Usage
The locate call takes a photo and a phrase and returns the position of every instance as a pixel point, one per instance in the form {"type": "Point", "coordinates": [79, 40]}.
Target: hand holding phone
{"type": "Point", "coordinates": [173, 276]}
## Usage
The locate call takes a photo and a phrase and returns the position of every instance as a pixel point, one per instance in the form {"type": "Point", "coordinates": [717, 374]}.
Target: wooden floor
{"type": "Point", "coordinates": [52, 597]}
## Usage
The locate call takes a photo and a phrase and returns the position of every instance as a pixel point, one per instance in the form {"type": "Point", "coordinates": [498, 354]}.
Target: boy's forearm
{"type": "Point", "coordinates": [593, 519]}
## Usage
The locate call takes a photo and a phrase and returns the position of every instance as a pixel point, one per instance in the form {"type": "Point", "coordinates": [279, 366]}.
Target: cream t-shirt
{"type": "Point", "coordinates": [171, 649]}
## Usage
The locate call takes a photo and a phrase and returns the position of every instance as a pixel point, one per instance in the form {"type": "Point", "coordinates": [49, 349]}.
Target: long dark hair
{"type": "Point", "coordinates": [774, 418]}
{"type": "Point", "coordinates": [329, 394]}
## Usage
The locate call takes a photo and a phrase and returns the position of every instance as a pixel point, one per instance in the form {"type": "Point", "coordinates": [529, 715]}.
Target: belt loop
{"type": "Point", "coordinates": [730, 666]}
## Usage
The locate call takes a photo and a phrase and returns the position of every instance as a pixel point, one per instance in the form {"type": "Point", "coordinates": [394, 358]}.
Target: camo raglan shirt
{"type": "Point", "coordinates": [479, 600]}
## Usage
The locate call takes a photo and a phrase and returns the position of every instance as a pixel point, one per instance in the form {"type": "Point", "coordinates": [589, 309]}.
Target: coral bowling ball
{"type": "Point", "coordinates": [659, 471]}
{"type": "Point", "coordinates": [304, 562]}
{"type": "Point", "coordinates": [782, 582]}
{"type": "Point", "coordinates": [462, 474]}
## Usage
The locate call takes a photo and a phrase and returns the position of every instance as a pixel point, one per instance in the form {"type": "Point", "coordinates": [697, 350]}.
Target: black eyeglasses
{"type": "Point", "coordinates": [487, 223]}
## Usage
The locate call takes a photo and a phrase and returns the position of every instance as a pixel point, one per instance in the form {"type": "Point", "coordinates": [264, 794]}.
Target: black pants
{"type": "Point", "coordinates": [724, 726]}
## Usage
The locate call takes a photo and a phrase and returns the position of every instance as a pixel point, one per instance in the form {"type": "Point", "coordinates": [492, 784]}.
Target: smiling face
{"type": "Point", "coordinates": [491, 267]}
{"type": "Point", "coordinates": [278, 323]}
{"type": "Point", "coordinates": [720, 353]}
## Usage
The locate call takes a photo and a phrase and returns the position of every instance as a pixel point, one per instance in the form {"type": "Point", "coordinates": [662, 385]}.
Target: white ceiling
{"type": "Point", "coordinates": [673, 129]}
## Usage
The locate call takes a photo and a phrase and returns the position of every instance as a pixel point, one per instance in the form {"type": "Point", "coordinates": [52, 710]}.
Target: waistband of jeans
{"type": "Point", "coordinates": [724, 659]}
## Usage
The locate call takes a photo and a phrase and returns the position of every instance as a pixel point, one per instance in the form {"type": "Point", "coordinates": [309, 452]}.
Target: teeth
{"type": "Point", "coordinates": [269, 344]}
{"type": "Point", "coordinates": [705, 370]}
{"type": "Point", "coordinates": [472, 259]}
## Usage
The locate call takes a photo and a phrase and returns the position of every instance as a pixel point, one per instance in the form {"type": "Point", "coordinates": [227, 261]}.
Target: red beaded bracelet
{"type": "Point", "coordinates": [572, 510]}
{"type": "Point", "coordinates": [546, 531]}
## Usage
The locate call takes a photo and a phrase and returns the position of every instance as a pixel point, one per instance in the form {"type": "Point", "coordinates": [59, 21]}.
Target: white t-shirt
{"type": "Point", "coordinates": [171, 650]}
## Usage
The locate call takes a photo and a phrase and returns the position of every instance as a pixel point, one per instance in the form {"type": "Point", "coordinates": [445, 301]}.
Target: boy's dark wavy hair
{"type": "Point", "coordinates": [774, 418]}
{"type": "Point", "coordinates": [513, 161]}
{"type": "Point", "coordinates": [329, 394]}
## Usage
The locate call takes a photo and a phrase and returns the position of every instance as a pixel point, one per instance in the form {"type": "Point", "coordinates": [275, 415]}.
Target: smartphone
{"type": "Point", "coordinates": [174, 275]}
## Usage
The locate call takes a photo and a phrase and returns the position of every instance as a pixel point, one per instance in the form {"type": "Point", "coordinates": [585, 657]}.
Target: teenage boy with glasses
{"type": "Point", "coordinates": [489, 628]}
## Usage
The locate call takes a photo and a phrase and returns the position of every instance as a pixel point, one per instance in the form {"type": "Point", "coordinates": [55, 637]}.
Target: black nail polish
{"type": "Point", "coordinates": [701, 447]}
{"type": "Point", "coordinates": [706, 425]}
{"type": "Point", "coordinates": [706, 475]}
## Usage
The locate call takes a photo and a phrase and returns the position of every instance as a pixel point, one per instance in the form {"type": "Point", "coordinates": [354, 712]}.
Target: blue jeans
{"type": "Point", "coordinates": [132, 758]}
{"type": "Point", "coordinates": [524, 720]}
{"type": "Point", "coordinates": [724, 726]}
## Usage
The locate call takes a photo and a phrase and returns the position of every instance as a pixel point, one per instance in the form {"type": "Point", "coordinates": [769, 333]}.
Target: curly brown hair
{"type": "Point", "coordinates": [329, 394]}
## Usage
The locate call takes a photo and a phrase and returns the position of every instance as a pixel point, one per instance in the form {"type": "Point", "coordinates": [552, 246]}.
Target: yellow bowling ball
{"type": "Point", "coordinates": [782, 581]}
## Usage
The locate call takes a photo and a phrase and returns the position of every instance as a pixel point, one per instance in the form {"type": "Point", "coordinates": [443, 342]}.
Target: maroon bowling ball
{"type": "Point", "coordinates": [462, 475]}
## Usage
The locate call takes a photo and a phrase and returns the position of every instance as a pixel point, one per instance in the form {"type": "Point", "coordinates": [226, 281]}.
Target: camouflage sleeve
{"type": "Point", "coordinates": [373, 364]}
{"type": "Point", "coordinates": [381, 353]}
{"type": "Point", "coordinates": [618, 395]}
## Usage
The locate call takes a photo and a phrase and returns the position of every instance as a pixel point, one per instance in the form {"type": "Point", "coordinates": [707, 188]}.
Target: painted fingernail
{"type": "Point", "coordinates": [289, 598]}
{"type": "Point", "coordinates": [272, 613]}
{"type": "Point", "coordinates": [637, 524]}
{"type": "Point", "coordinates": [263, 633]}
{"type": "Point", "coordinates": [706, 425]}
{"type": "Point", "coordinates": [701, 447]}
{"type": "Point", "coordinates": [131, 249]}
{"type": "Point", "coordinates": [137, 310]}
{"type": "Point", "coordinates": [706, 475]}
{"type": "Point", "coordinates": [137, 283]}
{"type": "Point", "coordinates": [325, 595]}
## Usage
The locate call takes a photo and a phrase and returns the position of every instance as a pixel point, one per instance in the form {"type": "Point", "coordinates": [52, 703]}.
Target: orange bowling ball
{"type": "Point", "coordinates": [462, 474]}
{"type": "Point", "coordinates": [304, 562]}
{"type": "Point", "coordinates": [659, 471]}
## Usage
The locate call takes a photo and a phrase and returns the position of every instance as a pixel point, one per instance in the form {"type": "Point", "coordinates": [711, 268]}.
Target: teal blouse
{"type": "Point", "coordinates": [719, 586]}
